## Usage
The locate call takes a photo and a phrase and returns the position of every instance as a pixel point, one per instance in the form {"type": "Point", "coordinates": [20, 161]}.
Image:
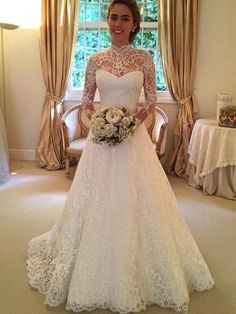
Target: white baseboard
{"type": "Point", "coordinates": [21, 154]}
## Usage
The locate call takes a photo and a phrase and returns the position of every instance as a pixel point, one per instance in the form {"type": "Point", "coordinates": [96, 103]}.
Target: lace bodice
{"type": "Point", "coordinates": [129, 70]}
{"type": "Point", "coordinates": [121, 91]}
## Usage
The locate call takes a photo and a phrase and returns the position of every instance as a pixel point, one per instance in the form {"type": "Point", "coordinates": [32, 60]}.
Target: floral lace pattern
{"type": "Point", "coordinates": [119, 62]}
{"type": "Point", "coordinates": [120, 242]}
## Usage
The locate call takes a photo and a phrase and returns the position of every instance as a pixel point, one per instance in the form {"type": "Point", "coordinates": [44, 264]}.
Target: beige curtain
{"type": "Point", "coordinates": [57, 36]}
{"type": "Point", "coordinates": [178, 21]}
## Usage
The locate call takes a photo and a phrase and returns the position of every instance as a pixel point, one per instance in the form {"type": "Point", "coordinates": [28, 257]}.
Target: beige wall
{"type": "Point", "coordinates": [216, 58]}
{"type": "Point", "coordinates": [24, 91]}
{"type": "Point", "coordinates": [215, 72]}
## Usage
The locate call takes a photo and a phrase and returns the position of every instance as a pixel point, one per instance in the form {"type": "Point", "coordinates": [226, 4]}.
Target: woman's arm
{"type": "Point", "coordinates": [89, 87]}
{"type": "Point", "coordinates": [150, 90]}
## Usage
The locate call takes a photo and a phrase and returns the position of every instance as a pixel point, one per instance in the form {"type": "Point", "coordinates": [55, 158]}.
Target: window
{"type": "Point", "coordinates": [93, 35]}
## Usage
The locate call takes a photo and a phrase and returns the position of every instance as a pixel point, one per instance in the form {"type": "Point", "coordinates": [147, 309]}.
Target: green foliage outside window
{"type": "Point", "coordinates": [91, 40]}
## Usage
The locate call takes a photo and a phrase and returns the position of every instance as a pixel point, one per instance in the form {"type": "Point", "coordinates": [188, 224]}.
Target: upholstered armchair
{"type": "Point", "coordinates": [75, 128]}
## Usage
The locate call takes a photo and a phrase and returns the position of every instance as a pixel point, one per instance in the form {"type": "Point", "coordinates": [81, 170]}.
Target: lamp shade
{"type": "Point", "coordinates": [8, 26]}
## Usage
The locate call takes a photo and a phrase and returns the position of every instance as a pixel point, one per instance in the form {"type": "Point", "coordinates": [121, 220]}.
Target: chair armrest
{"type": "Point", "coordinates": [161, 144]}
{"type": "Point", "coordinates": [71, 128]}
{"type": "Point", "coordinates": [65, 142]}
{"type": "Point", "coordinates": [159, 131]}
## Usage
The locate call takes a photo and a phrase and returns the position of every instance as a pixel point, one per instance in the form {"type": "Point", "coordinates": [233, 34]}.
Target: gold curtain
{"type": "Point", "coordinates": [178, 22]}
{"type": "Point", "coordinates": [56, 37]}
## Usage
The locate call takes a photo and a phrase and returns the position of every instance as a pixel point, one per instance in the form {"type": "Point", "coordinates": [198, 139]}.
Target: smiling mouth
{"type": "Point", "coordinates": [117, 31]}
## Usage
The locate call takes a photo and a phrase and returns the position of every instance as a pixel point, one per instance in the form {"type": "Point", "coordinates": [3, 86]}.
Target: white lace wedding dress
{"type": "Point", "coordinates": [120, 242]}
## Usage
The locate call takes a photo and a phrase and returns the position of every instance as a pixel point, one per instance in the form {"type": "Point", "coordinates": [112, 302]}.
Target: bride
{"type": "Point", "coordinates": [4, 167]}
{"type": "Point", "coordinates": [120, 242]}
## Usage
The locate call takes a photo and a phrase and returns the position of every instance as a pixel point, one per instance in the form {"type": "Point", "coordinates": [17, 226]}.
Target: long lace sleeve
{"type": "Point", "coordinates": [90, 87]}
{"type": "Point", "coordinates": [150, 90]}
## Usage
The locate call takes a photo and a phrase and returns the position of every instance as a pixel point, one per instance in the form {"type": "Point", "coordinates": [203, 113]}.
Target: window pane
{"type": "Point", "coordinates": [103, 17]}
{"type": "Point", "coordinates": [149, 38]}
{"type": "Point", "coordinates": [150, 11]}
{"type": "Point", "coordinates": [78, 68]}
{"type": "Point", "coordinates": [80, 41]}
{"type": "Point", "coordinates": [78, 78]}
{"type": "Point", "coordinates": [92, 38]}
{"type": "Point", "coordinates": [92, 13]}
{"type": "Point", "coordinates": [105, 39]}
{"type": "Point", "coordinates": [82, 13]}
{"type": "Point", "coordinates": [79, 59]}
{"type": "Point", "coordinates": [89, 52]}
{"type": "Point", "coordinates": [161, 84]}
{"type": "Point", "coordinates": [138, 40]}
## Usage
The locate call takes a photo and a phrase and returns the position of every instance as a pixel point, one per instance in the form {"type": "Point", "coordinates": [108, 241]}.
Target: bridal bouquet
{"type": "Point", "coordinates": [112, 125]}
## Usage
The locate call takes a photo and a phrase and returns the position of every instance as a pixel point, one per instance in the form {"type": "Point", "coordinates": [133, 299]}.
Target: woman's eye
{"type": "Point", "coordinates": [113, 18]}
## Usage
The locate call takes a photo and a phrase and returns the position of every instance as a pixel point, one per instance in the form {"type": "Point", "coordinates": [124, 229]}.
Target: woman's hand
{"type": "Point", "coordinates": [141, 116]}
{"type": "Point", "coordinates": [89, 111]}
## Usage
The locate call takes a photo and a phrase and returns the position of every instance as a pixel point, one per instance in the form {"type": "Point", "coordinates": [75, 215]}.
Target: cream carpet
{"type": "Point", "coordinates": [31, 200]}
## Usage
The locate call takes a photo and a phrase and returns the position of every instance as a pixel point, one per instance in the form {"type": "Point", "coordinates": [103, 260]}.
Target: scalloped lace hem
{"type": "Point", "coordinates": [142, 305]}
{"type": "Point", "coordinates": [75, 307]}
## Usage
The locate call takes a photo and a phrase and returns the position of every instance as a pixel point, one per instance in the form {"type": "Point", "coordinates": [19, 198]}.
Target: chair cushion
{"type": "Point", "coordinates": [77, 146]}
{"type": "Point", "coordinates": [73, 129]}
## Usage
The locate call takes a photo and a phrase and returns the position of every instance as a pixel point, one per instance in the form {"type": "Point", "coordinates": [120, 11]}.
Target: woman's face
{"type": "Point", "coordinates": [121, 23]}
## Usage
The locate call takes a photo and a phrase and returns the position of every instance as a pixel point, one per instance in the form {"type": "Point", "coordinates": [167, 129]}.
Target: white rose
{"type": "Point", "coordinates": [126, 122]}
{"type": "Point", "coordinates": [96, 115]}
{"type": "Point", "coordinates": [97, 127]}
{"type": "Point", "coordinates": [110, 129]}
{"type": "Point", "coordinates": [99, 122]}
{"type": "Point", "coordinates": [101, 114]}
{"type": "Point", "coordinates": [114, 115]}
{"type": "Point", "coordinates": [98, 132]}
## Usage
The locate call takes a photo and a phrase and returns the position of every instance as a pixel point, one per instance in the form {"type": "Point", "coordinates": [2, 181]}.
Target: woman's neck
{"type": "Point", "coordinates": [120, 44]}
{"type": "Point", "coordinates": [121, 49]}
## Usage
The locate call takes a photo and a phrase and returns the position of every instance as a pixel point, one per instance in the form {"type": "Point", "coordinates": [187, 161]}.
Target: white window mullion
{"type": "Point", "coordinates": [148, 24]}
{"type": "Point", "coordinates": [93, 25]}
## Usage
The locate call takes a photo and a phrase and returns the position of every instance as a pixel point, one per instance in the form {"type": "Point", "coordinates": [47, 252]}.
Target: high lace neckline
{"type": "Point", "coordinates": [122, 49]}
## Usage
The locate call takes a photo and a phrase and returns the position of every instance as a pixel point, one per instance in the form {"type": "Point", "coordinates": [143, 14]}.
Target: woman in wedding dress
{"type": "Point", "coordinates": [120, 243]}
{"type": "Point", "coordinates": [4, 166]}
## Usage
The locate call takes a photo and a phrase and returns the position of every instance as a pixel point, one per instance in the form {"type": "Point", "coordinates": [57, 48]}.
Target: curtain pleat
{"type": "Point", "coordinates": [178, 25]}
{"type": "Point", "coordinates": [57, 36]}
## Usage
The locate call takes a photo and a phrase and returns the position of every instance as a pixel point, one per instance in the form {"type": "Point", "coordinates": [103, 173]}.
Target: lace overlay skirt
{"type": "Point", "coordinates": [120, 242]}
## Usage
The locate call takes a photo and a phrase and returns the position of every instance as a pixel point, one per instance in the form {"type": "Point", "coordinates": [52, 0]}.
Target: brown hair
{"type": "Point", "coordinates": [132, 5]}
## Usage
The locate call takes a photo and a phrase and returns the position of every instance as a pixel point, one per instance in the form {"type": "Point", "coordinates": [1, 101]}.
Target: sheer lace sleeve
{"type": "Point", "coordinates": [90, 87]}
{"type": "Point", "coordinates": [150, 90]}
